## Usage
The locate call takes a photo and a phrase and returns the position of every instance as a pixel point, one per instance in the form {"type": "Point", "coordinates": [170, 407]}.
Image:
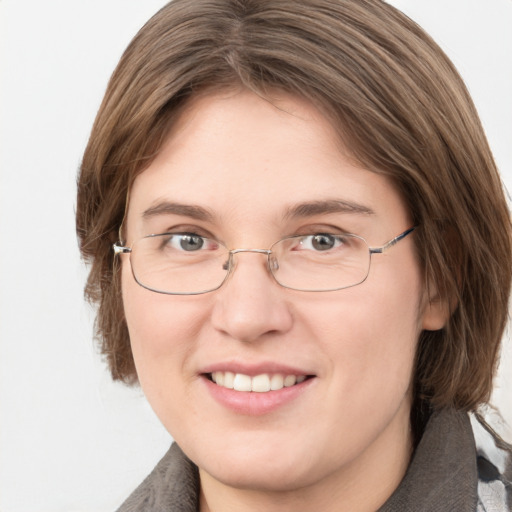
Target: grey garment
{"type": "Point", "coordinates": [442, 476]}
{"type": "Point", "coordinates": [173, 486]}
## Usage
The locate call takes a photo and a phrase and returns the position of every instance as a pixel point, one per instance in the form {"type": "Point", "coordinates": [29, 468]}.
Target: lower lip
{"type": "Point", "coordinates": [251, 403]}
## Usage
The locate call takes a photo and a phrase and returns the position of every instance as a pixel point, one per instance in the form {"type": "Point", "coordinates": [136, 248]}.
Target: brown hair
{"type": "Point", "coordinates": [401, 109]}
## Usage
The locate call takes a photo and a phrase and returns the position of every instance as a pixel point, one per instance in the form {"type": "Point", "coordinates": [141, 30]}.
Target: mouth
{"type": "Point", "coordinates": [262, 383]}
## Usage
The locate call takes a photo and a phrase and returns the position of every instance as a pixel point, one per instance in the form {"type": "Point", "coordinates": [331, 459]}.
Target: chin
{"type": "Point", "coordinates": [268, 475]}
{"type": "Point", "coordinates": [261, 462]}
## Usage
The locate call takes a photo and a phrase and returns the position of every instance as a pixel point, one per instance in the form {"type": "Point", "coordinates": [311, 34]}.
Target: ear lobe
{"type": "Point", "coordinates": [436, 313]}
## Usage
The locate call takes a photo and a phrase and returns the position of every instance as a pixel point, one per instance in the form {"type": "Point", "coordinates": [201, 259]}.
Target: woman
{"type": "Point", "coordinates": [301, 250]}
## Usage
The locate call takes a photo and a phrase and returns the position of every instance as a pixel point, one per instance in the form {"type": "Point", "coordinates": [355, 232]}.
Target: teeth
{"type": "Point", "coordinates": [241, 382]}
{"type": "Point", "coordinates": [276, 382]}
{"type": "Point", "coordinates": [229, 380]}
{"type": "Point", "coordinates": [259, 384]}
{"type": "Point", "coordinates": [289, 381]}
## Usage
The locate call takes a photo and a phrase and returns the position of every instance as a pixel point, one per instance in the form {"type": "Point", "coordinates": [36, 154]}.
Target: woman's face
{"type": "Point", "coordinates": [255, 172]}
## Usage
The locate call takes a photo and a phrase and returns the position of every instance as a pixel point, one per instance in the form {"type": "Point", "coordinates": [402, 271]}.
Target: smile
{"type": "Point", "coordinates": [262, 383]}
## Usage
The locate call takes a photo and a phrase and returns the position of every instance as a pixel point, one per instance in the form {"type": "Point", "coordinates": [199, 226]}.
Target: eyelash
{"type": "Point", "coordinates": [190, 230]}
{"type": "Point", "coordinates": [303, 231]}
{"type": "Point", "coordinates": [322, 229]}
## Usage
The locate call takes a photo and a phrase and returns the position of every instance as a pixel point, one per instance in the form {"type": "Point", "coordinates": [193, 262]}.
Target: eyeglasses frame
{"type": "Point", "coordinates": [121, 249]}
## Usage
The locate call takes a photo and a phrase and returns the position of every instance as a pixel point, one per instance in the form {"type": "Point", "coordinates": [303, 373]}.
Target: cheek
{"type": "Point", "coordinates": [162, 331]}
{"type": "Point", "coordinates": [392, 328]}
{"type": "Point", "coordinates": [370, 334]}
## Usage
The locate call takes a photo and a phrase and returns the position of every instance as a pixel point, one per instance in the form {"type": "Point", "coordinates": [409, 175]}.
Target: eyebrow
{"type": "Point", "coordinates": [309, 209]}
{"type": "Point", "coordinates": [171, 208]}
{"type": "Point", "coordinates": [306, 209]}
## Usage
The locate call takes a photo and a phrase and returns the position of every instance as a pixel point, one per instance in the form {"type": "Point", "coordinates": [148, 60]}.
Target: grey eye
{"type": "Point", "coordinates": [323, 242]}
{"type": "Point", "coordinates": [191, 242]}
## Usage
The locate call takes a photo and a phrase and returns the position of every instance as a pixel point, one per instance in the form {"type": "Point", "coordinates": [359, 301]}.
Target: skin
{"type": "Point", "coordinates": [344, 443]}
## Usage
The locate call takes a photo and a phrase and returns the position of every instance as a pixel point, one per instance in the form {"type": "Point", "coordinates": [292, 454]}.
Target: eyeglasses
{"type": "Point", "coordinates": [190, 264]}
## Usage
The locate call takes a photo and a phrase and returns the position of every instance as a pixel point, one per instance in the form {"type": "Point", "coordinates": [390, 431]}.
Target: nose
{"type": "Point", "coordinates": [251, 305]}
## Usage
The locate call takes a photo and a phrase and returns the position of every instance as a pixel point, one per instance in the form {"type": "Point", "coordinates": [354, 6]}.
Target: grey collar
{"type": "Point", "coordinates": [442, 475]}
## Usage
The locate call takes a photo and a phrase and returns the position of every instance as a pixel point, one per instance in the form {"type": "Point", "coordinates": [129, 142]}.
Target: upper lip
{"type": "Point", "coordinates": [253, 369]}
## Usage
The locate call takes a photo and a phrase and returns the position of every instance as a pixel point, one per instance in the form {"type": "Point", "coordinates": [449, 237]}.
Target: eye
{"type": "Point", "coordinates": [190, 242]}
{"type": "Point", "coordinates": [321, 242]}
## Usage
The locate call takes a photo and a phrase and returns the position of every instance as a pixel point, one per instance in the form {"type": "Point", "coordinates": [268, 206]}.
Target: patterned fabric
{"type": "Point", "coordinates": [494, 463]}
{"type": "Point", "coordinates": [448, 473]}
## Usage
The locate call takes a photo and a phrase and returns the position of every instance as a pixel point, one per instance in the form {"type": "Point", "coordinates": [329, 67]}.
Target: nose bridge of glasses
{"type": "Point", "coordinates": [260, 251]}
{"type": "Point", "coordinates": [272, 263]}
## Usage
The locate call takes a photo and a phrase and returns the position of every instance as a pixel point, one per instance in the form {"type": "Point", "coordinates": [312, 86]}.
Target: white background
{"type": "Point", "coordinates": [71, 440]}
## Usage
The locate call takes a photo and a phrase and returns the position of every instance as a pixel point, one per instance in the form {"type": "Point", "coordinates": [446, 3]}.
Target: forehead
{"type": "Point", "coordinates": [235, 154]}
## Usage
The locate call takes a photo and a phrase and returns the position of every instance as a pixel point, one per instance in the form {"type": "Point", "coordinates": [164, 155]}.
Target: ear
{"type": "Point", "coordinates": [436, 310]}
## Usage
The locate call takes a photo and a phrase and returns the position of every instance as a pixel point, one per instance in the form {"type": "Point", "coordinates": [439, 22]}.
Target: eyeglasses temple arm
{"type": "Point", "coordinates": [119, 249]}
{"type": "Point", "coordinates": [379, 250]}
